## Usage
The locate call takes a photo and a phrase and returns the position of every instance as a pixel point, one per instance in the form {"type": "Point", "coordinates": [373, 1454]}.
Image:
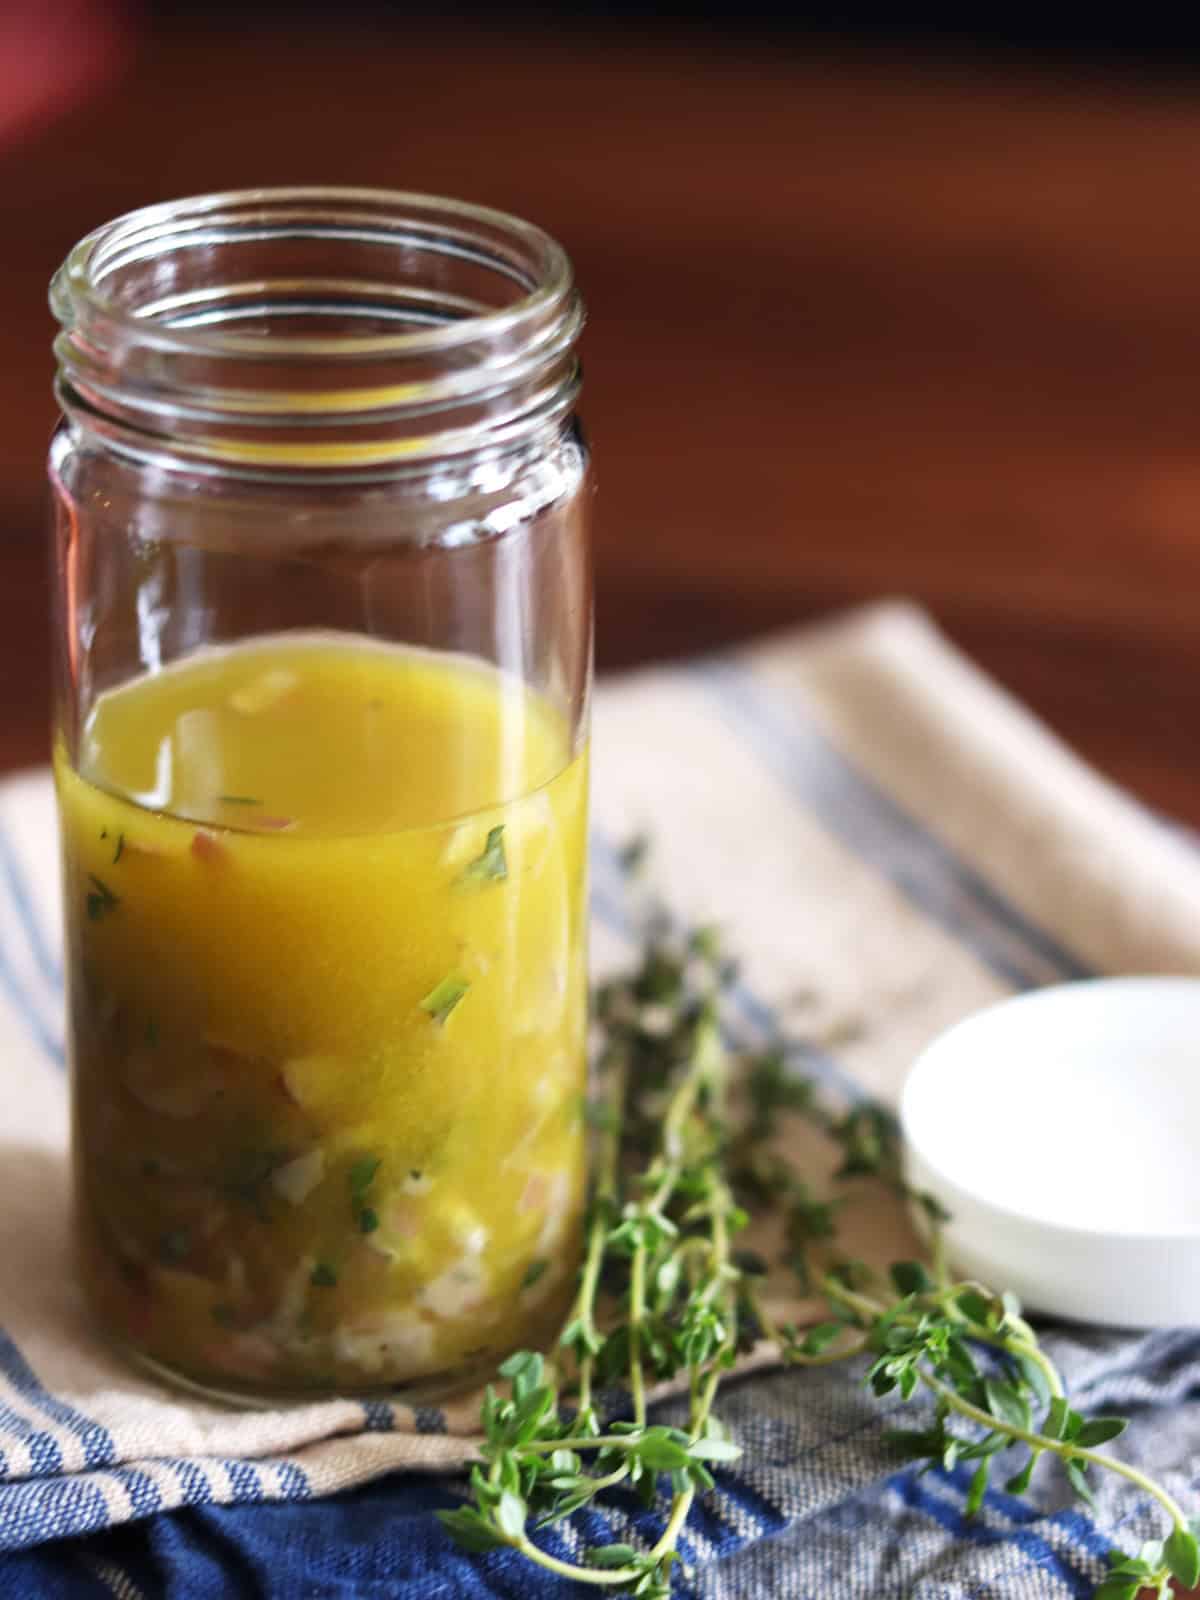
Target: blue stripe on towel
{"type": "Point", "coordinates": [99, 1447]}
{"type": "Point", "coordinates": [1077, 1526]}
{"type": "Point", "coordinates": [867, 820]}
{"type": "Point", "coordinates": [912, 1491]}
{"type": "Point", "coordinates": [50, 1508]}
{"type": "Point", "coordinates": [752, 1502]}
{"type": "Point", "coordinates": [378, 1416]}
{"type": "Point", "coordinates": [37, 1511]}
{"type": "Point", "coordinates": [23, 1004]}
{"type": "Point", "coordinates": [293, 1481]}
{"type": "Point", "coordinates": [245, 1481]}
{"type": "Point", "coordinates": [715, 1513]}
{"type": "Point", "coordinates": [47, 962]}
{"type": "Point", "coordinates": [145, 1496]}
{"type": "Point", "coordinates": [27, 1007]}
{"type": "Point", "coordinates": [195, 1481]}
{"type": "Point", "coordinates": [45, 1456]}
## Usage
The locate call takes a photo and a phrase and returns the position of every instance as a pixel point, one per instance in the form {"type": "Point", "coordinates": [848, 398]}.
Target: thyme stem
{"type": "Point", "coordinates": [662, 1296]}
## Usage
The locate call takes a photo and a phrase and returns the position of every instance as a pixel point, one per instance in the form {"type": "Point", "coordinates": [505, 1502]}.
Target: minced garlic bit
{"type": "Point", "coordinates": [297, 1179]}
{"type": "Point", "coordinates": [263, 692]}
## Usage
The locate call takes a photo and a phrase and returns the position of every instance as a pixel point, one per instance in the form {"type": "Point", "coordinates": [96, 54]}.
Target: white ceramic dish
{"type": "Point", "coordinates": [1061, 1130]}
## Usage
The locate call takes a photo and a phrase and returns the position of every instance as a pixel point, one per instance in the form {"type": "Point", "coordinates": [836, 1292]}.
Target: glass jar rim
{"type": "Point", "coordinates": [153, 360]}
{"type": "Point", "coordinates": [75, 289]}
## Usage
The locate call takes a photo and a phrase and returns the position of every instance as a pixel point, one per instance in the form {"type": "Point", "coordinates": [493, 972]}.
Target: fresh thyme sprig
{"type": "Point", "coordinates": [665, 1296]}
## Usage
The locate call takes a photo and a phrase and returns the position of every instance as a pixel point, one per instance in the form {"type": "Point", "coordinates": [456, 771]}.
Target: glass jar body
{"type": "Point", "coordinates": [321, 755]}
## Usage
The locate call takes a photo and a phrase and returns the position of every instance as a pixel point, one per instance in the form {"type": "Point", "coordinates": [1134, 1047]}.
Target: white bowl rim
{"type": "Point", "coordinates": [949, 1037]}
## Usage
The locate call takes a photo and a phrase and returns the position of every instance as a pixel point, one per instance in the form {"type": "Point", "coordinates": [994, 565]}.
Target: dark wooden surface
{"type": "Point", "coordinates": [857, 328]}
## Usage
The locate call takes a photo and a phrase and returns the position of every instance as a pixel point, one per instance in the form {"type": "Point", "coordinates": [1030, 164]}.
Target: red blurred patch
{"type": "Point", "coordinates": [52, 55]}
{"type": "Point", "coordinates": [207, 848]}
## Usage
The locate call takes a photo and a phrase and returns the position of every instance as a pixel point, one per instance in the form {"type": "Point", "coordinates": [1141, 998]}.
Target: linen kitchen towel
{"type": "Point", "coordinates": [889, 842]}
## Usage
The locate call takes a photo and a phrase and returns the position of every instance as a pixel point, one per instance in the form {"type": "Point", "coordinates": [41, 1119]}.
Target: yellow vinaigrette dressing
{"type": "Point", "coordinates": [325, 918]}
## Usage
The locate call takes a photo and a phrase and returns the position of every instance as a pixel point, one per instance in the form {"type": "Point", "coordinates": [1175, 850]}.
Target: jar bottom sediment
{"type": "Point", "coordinates": [419, 1392]}
{"type": "Point", "coordinates": [424, 1390]}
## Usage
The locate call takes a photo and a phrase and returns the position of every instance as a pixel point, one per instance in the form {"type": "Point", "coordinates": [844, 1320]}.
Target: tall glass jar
{"type": "Point", "coordinates": [323, 645]}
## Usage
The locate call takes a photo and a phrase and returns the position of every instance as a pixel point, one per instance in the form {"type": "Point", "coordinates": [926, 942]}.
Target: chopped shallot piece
{"type": "Point", "coordinates": [474, 1240]}
{"type": "Point", "coordinates": [297, 1179]}
{"type": "Point", "coordinates": [180, 1095]}
{"type": "Point", "coordinates": [404, 1219]}
{"type": "Point", "coordinates": [139, 847]}
{"type": "Point", "coordinates": [457, 1291]}
{"type": "Point", "coordinates": [306, 1079]}
{"type": "Point", "coordinates": [535, 1193]}
{"type": "Point", "coordinates": [252, 1355]}
{"type": "Point", "coordinates": [397, 1341]}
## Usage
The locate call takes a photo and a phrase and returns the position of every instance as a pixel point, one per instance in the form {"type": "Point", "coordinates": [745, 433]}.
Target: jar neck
{"type": "Point", "coordinates": [316, 332]}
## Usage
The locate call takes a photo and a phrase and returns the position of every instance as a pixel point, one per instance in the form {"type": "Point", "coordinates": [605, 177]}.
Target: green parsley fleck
{"type": "Point", "coordinates": [492, 865]}
{"type": "Point", "coordinates": [533, 1272]}
{"type": "Point", "coordinates": [238, 800]}
{"type": "Point", "coordinates": [362, 1175]}
{"type": "Point", "coordinates": [101, 900]}
{"type": "Point", "coordinates": [323, 1276]}
{"type": "Point", "coordinates": [120, 850]}
{"type": "Point", "coordinates": [443, 997]}
{"type": "Point", "coordinates": [224, 1316]}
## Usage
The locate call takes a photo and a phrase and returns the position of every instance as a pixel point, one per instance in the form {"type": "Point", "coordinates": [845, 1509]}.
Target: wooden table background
{"type": "Point", "coordinates": [859, 327]}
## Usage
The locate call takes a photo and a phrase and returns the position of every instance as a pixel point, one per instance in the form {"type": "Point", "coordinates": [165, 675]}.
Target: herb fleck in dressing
{"type": "Point", "coordinates": [325, 910]}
